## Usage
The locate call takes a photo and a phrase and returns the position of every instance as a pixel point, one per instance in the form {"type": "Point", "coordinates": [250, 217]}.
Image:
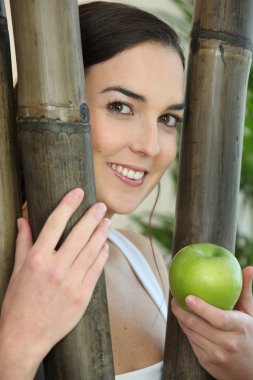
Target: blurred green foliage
{"type": "Point", "coordinates": [244, 244]}
{"type": "Point", "coordinates": [247, 157]}
{"type": "Point", "coordinates": [162, 226]}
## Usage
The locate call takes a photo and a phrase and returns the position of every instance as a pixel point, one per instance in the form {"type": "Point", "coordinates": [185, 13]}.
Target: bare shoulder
{"type": "Point", "coordinates": [153, 256]}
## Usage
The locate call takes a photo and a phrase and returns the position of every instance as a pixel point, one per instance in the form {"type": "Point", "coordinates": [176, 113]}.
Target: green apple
{"type": "Point", "coordinates": [207, 271]}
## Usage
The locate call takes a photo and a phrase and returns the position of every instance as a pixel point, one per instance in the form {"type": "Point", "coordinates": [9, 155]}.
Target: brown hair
{"type": "Point", "coordinates": [108, 28]}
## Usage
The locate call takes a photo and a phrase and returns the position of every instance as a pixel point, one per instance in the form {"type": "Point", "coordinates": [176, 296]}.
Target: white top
{"type": "Point", "coordinates": [154, 372]}
{"type": "Point", "coordinates": [146, 276]}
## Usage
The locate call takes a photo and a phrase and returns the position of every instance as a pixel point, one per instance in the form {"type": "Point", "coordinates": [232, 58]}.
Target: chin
{"type": "Point", "coordinates": [120, 210]}
{"type": "Point", "coordinates": [122, 206]}
{"type": "Point", "coordinates": [122, 201]}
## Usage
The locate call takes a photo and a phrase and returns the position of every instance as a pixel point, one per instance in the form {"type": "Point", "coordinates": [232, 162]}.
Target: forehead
{"type": "Point", "coordinates": [151, 69]}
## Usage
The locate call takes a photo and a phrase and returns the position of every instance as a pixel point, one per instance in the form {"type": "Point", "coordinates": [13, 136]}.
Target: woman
{"type": "Point", "coordinates": [134, 74]}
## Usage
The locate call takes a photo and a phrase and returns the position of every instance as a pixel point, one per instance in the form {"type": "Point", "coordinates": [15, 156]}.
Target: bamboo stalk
{"type": "Point", "coordinates": [57, 156]}
{"type": "Point", "coordinates": [10, 202]}
{"type": "Point", "coordinates": [211, 146]}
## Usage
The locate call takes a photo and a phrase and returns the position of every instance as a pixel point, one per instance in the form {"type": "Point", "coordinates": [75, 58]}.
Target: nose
{"type": "Point", "coordinates": [146, 139]}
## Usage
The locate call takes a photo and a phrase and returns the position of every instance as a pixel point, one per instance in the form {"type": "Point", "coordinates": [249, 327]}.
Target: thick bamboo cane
{"type": "Point", "coordinates": [209, 175]}
{"type": "Point", "coordinates": [10, 202]}
{"type": "Point", "coordinates": [56, 153]}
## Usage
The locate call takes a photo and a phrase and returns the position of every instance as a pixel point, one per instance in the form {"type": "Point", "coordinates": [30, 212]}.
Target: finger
{"type": "Point", "coordinates": [81, 233]}
{"type": "Point", "coordinates": [199, 340]}
{"type": "Point", "coordinates": [189, 320]}
{"type": "Point", "coordinates": [245, 302]}
{"type": "Point", "coordinates": [23, 243]}
{"type": "Point", "coordinates": [91, 251]}
{"type": "Point", "coordinates": [56, 222]}
{"type": "Point", "coordinates": [92, 275]}
{"type": "Point", "coordinates": [195, 323]}
{"type": "Point", "coordinates": [220, 319]}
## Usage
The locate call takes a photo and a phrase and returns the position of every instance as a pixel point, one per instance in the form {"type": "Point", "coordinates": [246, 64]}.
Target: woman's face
{"type": "Point", "coordinates": [135, 100]}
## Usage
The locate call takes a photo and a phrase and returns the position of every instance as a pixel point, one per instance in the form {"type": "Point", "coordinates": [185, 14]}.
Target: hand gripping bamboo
{"type": "Point", "coordinates": [211, 146]}
{"type": "Point", "coordinates": [54, 131]}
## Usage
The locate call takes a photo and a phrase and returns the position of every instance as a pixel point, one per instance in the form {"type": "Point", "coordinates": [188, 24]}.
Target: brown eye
{"type": "Point", "coordinates": [169, 120]}
{"type": "Point", "coordinates": [119, 107]}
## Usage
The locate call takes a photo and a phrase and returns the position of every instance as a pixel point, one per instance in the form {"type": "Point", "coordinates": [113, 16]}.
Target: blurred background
{"type": "Point", "coordinates": [178, 14]}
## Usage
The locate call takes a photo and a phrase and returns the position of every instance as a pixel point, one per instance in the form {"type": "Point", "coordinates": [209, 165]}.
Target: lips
{"type": "Point", "coordinates": [129, 174]}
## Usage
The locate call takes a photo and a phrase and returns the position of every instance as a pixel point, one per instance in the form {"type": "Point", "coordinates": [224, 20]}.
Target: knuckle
{"type": "Point", "coordinates": [79, 298]}
{"type": "Point", "coordinates": [243, 328]}
{"type": "Point", "coordinates": [218, 357]}
{"type": "Point", "coordinates": [56, 275]}
{"type": "Point", "coordinates": [35, 261]}
{"type": "Point", "coordinates": [223, 321]}
{"type": "Point", "coordinates": [190, 322]}
{"type": "Point", "coordinates": [231, 346]}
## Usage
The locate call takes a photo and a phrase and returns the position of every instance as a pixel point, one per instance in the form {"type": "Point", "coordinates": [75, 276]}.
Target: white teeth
{"type": "Point", "coordinates": [125, 172]}
{"type": "Point", "coordinates": [129, 173]}
{"type": "Point", "coordinates": [138, 175]}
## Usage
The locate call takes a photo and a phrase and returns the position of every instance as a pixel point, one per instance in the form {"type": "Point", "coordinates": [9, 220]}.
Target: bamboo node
{"type": "Point", "coordinates": [84, 113]}
{"type": "Point", "coordinates": [225, 37]}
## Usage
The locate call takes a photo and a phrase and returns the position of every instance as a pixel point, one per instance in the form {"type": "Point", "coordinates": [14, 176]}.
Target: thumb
{"type": "Point", "coordinates": [245, 302]}
{"type": "Point", "coordinates": [23, 243]}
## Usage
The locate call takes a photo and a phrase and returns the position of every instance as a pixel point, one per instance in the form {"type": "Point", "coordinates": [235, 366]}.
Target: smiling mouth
{"type": "Point", "coordinates": [127, 172]}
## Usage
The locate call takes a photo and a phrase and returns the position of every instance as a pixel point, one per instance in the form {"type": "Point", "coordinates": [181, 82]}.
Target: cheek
{"type": "Point", "coordinates": [168, 151]}
{"type": "Point", "coordinates": [99, 134]}
{"type": "Point", "coordinates": [96, 140]}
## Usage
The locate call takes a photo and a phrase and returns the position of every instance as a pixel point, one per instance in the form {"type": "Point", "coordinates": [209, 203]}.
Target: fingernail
{"type": "Point", "coordinates": [102, 208]}
{"type": "Point", "coordinates": [78, 193]}
{"type": "Point", "coordinates": [191, 301]}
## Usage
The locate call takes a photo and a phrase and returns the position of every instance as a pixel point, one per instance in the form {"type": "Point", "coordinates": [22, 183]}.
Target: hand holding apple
{"type": "Point", "coordinates": [207, 271]}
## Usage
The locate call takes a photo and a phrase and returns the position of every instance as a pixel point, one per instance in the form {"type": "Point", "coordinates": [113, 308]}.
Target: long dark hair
{"type": "Point", "coordinates": [108, 28]}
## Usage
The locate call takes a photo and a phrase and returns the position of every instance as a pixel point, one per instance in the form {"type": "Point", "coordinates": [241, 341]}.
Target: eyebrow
{"type": "Point", "coordinates": [142, 98]}
{"type": "Point", "coordinates": [176, 107]}
{"type": "Point", "coordinates": [126, 92]}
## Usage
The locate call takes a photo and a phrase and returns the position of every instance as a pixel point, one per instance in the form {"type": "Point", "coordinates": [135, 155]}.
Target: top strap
{"type": "Point", "coordinates": [141, 268]}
